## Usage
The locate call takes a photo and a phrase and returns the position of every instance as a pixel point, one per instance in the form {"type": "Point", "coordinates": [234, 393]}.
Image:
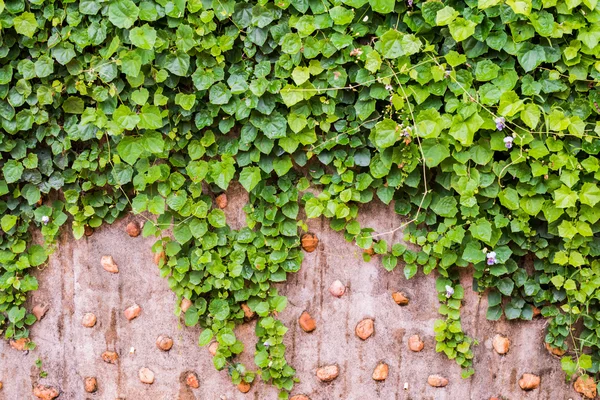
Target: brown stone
{"type": "Point", "coordinates": [108, 263]}
{"type": "Point", "coordinates": [309, 242]}
{"type": "Point", "coordinates": [191, 380]}
{"type": "Point", "coordinates": [146, 376]}
{"type": "Point", "coordinates": [110, 357]}
{"type": "Point", "coordinates": [243, 387]}
{"type": "Point", "coordinates": [40, 310]}
{"type": "Point", "coordinates": [185, 304]}
{"type": "Point", "coordinates": [370, 251]}
{"type": "Point", "coordinates": [89, 320]}
{"type": "Point", "coordinates": [164, 342]}
{"type": "Point", "coordinates": [45, 392]}
{"type": "Point", "coordinates": [536, 311]}
{"type": "Point", "coordinates": [299, 397]}
{"type": "Point", "coordinates": [221, 201]}
{"type": "Point", "coordinates": [1, 385]}
{"type": "Point", "coordinates": [328, 373]}
{"type": "Point", "coordinates": [501, 344]}
{"type": "Point", "coordinates": [248, 313]}
{"type": "Point", "coordinates": [20, 344]}
{"type": "Point", "coordinates": [213, 347]}
{"type": "Point", "coordinates": [88, 230]}
{"type": "Point", "coordinates": [400, 298]}
{"type": "Point", "coordinates": [381, 372]}
{"type": "Point", "coordinates": [529, 381]}
{"type": "Point", "coordinates": [132, 312]}
{"type": "Point", "coordinates": [415, 343]}
{"type": "Point", "coordinates": [364, 329]}
{"type": "Point", "coordinates": [306, 322]}
{"type": "Point", "coordinates": [437, 381]}
{"type": "Point", "coordinates": [159, 258]}
{"type": "Point", "coordinates": [90, 384]}
{"type": "Point", "coordinates": [586, 386]}
{"type": "Point", "coordinates": [133, 229]}
{"type": "Point", "coordinates": [337, 289]}
{"type": "Point", "coordinates": [555, 351]}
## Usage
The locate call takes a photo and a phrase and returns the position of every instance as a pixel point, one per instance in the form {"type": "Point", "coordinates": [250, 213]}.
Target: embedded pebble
{"type": "Point", "coordinates": [192, 380]}
{"type": "Point", "coordinates": [45, 392]}
{"type": "Point", "coordinates": [364, 329]}
{"type": "Point", "coordinates": [89, 320]}
{"type": "Point", "coordinates": [213, 347]}
{"type": "Point", "coordinates": [306, 322]}
{"type": "Point", "coordinates": [164, 342]}
{"type": "Point", "coordinates": [437, 381]}
{"type": "Point", "coordinates": [585, 386]}
{"type": "Point", "coordinates": [133, 229]}
{"type": "Point", "coordinates": [243, 387]}
{"type": "Point", "coordinates": [159, 258]}
{"type": "Point", "coordinates": [146, 376]}
{"type": "Point", "coordinates": [110, 357]}
{"type": "Point", "coordinates": [381, 372]}
{"type": "Point", "coordinates": [309, 242]}
{"type": "Point", "coordinates": [337, 289]}
{"type": "Point", "coordinates": [400, 298]}
{"type": "Point", "coordinates": [19, 344]}
{"type": "Point", "coordinates": [88, 230]}
{"type": "Point", "coordinates": [529, 381]}
{"type": "Point", "coordinates": [299, 397]}
{"type": "Point", "coordinates": [328, 373]}
{"type": "Point", "coordinates": [248, 313]}
{"type": "Point", "coordinates": [185, 304]}
{"type": "Point", "coordinates": [221, 201]}
{"type": "Point", "coordinates": [555, 351]}
{"type": "Point", "coordinates": [40, 310]}
{"type": "Point", "coordinates": [90, 384]}
{"type": "Point", "coordinates": [415, 343]}
{"type": "Point", "coordinates": [108, 263]}
{"type": "Point", "coordinates": [501, 344]}
{"type": "Point", "coordinates": [132, 312]}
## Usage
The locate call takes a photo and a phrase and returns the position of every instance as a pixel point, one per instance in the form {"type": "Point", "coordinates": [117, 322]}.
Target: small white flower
{"type": "Point", "coordinates": [45, 219]}
{"type": "Point", "coordinates": [449, 291]}
{"type": "Point", "coordinates": [366, 18]}
{"type": "Point", "coordinates": [389, 87]}
{"type": "Point", "coordinates": [491, 254]}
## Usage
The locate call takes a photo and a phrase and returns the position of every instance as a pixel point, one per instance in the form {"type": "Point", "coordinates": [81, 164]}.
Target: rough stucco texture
{"type": "Point", "coordinates": [74, 283]}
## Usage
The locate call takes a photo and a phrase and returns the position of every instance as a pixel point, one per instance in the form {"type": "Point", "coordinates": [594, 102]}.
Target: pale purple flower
{"type": "Point", "coordinates": [508, 142]}
{"type": "Point", "coordinates": [500, 123]}
{"type": "Point", "coordinates": [491, 258]}
{"type": "Point", "coordinates": [389, 87]}
{"type": "Point", "coordinates": [449, 291]}
{"type": "Point", "coordinates": [45, 219]}
{"type": "Point", "coordinates": [447, 73]}
{"type": "Point", "coordinates": [410, 3]}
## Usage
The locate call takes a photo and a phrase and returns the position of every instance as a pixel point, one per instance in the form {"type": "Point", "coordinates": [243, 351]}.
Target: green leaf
{"type": "Point", "coordinates": [250, 177]}
{"type": "Point", "coordinates": [385, 133]}
{"type": "Point", "coordinates": [143, 37]}
{"type": "Point", "coordinates": [8, 222]}
{"type": "Point", "coordinates": [25, 24]}
{"type": "Point", "coordinates": [589, 194]}
{"type": "Point", "coordinates": [73, 105]}
{"type": "Point", "coordinates": [219, 309]}
{"type": "Point", "coordinates": [382, 6]}
{"type": "Point", "coordinates": [341, 15]}
{"type": "Point", "coordinates": [123, 13]}
{"type": "Point", "coordinates": [461, 29]}
{"type": "Point", "coordinates": [394, 44]}
{"type": "Point", "coordinates": [130, 149]}
{"type": "Point", "coordinates": [12, 170]}
{"type": "Point", "coordinates": [445, 16]}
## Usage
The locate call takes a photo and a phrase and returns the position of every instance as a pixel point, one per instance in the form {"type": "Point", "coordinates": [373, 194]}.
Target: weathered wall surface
{"type": "Point", "coordinates": [74, 283]}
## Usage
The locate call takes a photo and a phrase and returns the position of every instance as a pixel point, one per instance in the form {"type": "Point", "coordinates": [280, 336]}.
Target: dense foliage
{"type": "Point", "coordinates": [474, 119]}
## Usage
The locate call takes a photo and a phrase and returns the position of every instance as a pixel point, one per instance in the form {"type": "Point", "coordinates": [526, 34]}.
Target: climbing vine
{"type": "Point", "coordinates": [475, 119]}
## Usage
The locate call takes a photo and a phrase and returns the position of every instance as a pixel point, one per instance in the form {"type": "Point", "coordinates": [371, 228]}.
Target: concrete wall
{"type": "Point", "coordinates": [74, 283]}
